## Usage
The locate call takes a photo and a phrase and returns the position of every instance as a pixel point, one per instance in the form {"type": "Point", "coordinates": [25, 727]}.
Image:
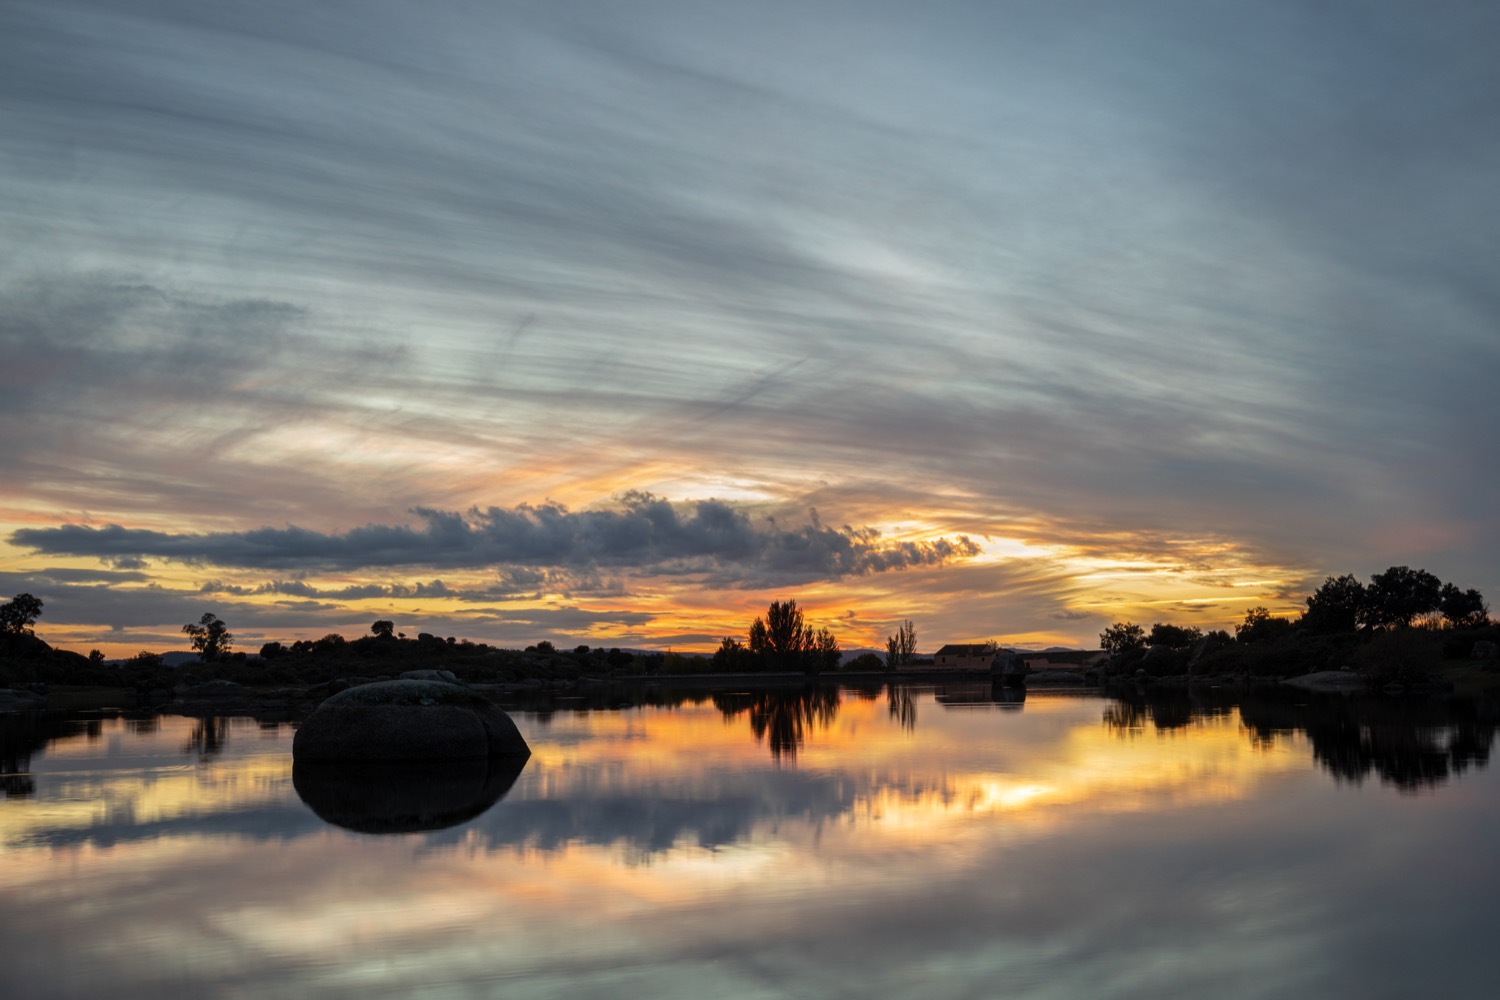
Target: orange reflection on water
{"type": "Point", "coordinates": [127, 776]}
{"type": "Point", "coordinates": [630, 833]}
{"type": "Point", "coordinates": [1047, 764]}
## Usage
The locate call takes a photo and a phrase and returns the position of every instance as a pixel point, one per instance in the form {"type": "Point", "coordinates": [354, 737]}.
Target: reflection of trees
{"type": "Point", "coordinates": [21, 735]}
{"type": "Point", "coordinates": [1405, 756]}
{"type": "Point", "coordinates": [1412, 744]}
{"type": "Point", "coordinates": [1126, 716]}
{"type": "Point", "coordinates": [902, 706]}
{"type": "Point", "coordinates": [17, 785]}
{"type": "Point", "coordinates": [1167, 710]}
{"type": "Point", "coordinates": [208, 737]}
{"type": "Point", "coordinates": [783, 718]}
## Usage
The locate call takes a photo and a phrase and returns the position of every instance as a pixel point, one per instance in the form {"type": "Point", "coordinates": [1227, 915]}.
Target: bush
{"type": "Point", "coordinates": [1403, 656]}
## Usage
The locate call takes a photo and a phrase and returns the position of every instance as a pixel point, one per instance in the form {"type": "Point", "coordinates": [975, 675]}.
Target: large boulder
{"type": "Point", "coordinates": [407, 720]}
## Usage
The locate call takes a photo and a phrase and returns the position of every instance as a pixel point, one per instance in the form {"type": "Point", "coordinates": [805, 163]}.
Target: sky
{"type": "Point", "coordinates": [611, 323]}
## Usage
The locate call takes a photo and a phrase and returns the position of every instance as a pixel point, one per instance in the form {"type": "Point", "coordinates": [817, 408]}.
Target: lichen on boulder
{"type": "Point", "coordinates": [407, 720]}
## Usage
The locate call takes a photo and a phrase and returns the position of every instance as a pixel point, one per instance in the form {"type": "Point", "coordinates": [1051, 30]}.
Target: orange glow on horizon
{"type": "Point", "coordinates": [1024, 589]}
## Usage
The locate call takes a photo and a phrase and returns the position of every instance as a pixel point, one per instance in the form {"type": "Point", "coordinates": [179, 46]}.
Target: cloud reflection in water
{"type": "Point", "coordinates": [1054, 851]}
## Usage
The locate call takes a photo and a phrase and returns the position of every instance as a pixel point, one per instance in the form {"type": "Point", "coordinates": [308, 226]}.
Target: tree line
{"type": "Point", "coordinates": [781, 641]}
{"type": "Point", "coordinates": [1397, 625]}
{"type": "Point", "coordinates": [1397, 598]}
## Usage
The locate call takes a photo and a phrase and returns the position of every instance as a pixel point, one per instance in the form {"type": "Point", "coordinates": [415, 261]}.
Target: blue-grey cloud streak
{"type": "Point", "coordinates": [645, 532]}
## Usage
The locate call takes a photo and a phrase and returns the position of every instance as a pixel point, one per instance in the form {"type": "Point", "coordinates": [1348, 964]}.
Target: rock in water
{"type": "Point", "coordinates": [407, 720]}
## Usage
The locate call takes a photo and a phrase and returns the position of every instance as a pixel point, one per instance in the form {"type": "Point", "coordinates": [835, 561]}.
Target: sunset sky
{"type": "Point", "coordinates": [612, 322]}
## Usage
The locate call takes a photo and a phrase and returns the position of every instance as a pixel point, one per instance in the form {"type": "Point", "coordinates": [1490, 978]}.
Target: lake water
{"type": "Point", "coordinates": [937, 841]}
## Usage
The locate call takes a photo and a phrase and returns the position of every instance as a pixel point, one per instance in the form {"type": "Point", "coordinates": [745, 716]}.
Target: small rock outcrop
{"type": "Point", "coordinates": [407, 720]}
{"type": "Point", "coordinates": [12, 700]}
{"type": "Point", "coordinates": [1327, 680]}
{"type": "Point", "coordinates": [432, 675]}
{"type": "Point", "coordinates": [214, 689]}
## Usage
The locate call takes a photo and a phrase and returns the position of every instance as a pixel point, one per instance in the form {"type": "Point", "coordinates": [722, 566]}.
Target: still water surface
{"type": "Point", "coordinates": [817, 842]}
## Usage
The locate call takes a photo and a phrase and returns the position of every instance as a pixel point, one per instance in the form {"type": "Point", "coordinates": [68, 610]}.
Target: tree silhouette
{"type": "Point", "coordinates": [731, 656]}
{"type": "Point", "coordinates": [1173, 636]}
{"type": "Point", "coordinates": [1463, 608]}
{"type": "Point", "coordinates": [210, 636]}
{"type": "Point", "coordinates": [1401, 594]}
{"type": "Point", "coordinates": [1122, 639]}
{"type": "Point", "coordinates": [782, 640]}
{"type": "Point", "coordinates": [19, 614]}
{"type": "Point", "coordinates": [901, 647]}
{"type": "Point", "coordinates": [1261, 626]}
{"type": "Point", "coordinates": [1337, 606]}
{"type": "Point", "coordinates": [782, 636]}
{"type": "Point", "coordinates": [823, 651]}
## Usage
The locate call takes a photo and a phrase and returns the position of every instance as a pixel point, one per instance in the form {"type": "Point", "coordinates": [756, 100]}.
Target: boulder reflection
{"type": "Point", "coordinates": [1410, 744]}
{"type": "Point", "coordinates": [390, 797]}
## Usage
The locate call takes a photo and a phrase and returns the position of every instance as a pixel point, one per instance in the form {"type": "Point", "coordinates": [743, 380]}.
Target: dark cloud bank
{"type": "Point", "coordinates": [708, 536]}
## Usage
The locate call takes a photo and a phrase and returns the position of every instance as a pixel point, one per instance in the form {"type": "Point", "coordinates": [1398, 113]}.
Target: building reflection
{"type": "Point", "coordinates": [980, 694]}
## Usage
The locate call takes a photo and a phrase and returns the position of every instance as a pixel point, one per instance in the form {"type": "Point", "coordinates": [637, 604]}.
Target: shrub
{"type": "Point", "coordinates": [1398, 657]}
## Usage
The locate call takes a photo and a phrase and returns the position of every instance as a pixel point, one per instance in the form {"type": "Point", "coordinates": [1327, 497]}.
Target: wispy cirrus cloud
{"type": "Point", "coordinates": [1138, 285]}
